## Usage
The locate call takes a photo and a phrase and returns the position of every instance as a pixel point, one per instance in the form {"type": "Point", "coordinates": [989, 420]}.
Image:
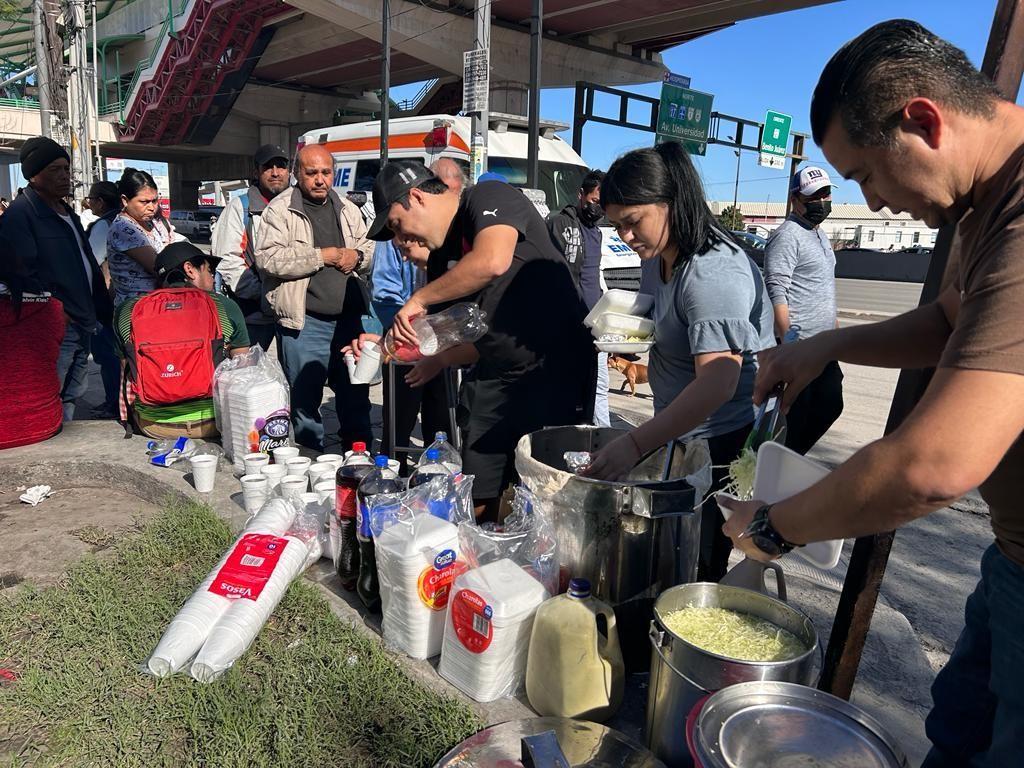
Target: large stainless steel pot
{"type": "Point", "coordinates": [632, 539]}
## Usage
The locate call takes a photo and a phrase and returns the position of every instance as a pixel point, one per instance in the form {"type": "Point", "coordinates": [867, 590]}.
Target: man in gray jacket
{"type": "Point", "coordinates": [234, 240]}
{"type": "Point", "coordinates": [800, 274]}
{"type": "Point", "coordinates": [312, 251]}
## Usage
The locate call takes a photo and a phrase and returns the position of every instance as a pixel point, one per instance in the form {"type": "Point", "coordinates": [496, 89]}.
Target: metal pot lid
{"type": "Point", "coordinates": [771, 725]}
{"type": "Point", "coordinates": [584, 744]}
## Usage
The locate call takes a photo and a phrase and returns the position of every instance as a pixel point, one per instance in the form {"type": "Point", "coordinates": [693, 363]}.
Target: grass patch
{"type": "Point", "coordinates": [311, 691]}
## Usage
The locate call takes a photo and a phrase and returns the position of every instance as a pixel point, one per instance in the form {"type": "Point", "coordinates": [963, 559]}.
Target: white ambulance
{"type": "Point", "coordinates": [356, 151]}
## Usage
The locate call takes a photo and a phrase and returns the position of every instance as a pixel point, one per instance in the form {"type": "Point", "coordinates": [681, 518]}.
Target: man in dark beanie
{"type": "Point", "coordinates": [42, 240]}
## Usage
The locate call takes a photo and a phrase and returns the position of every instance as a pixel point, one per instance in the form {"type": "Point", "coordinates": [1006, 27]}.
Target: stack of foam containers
{"type": "Point", "coordinates": [249, 397]}
{"type": "Point", "coordinates": [409, 557]}
{"type": "Point", "coordinates": [487, 629]}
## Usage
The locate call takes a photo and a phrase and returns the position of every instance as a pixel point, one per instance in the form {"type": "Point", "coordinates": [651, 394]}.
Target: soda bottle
{"type": "Point", "coordinates": [447, 454]}
{"type": "Point", "coordinates": [429, 467]}
{"type": "Point", "coordinates": [435, 333]}
{"type": "Point", "coordinates": [380, 480]}
{"type": "Point", "coordinates": [344, 545]}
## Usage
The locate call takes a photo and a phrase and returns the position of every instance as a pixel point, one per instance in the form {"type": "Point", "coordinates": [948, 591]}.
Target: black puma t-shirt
{"type": "Point", "coordinates": [534, 312]}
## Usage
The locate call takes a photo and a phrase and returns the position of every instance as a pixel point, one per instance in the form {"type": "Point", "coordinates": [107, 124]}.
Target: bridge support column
{"type": "Point", "coordinates": [184, 193]}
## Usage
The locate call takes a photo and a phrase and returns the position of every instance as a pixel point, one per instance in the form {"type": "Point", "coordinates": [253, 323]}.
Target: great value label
{"type": "Point", "coordinates": [435, 581]}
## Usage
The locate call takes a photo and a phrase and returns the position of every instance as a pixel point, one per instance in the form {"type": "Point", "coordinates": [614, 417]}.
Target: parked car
{"type": "Point", "coordinates": [752, 244]}
{"type": "Point", "coordinates": [916, 249]}
{"type": "Point", "coordinates": [198, 223]}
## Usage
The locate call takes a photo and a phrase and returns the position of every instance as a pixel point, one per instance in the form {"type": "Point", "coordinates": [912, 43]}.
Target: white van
{"type": "Point", "coordinates": [356, 151]}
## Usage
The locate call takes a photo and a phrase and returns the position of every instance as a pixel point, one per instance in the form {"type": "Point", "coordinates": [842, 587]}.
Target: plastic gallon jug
{"type": "Point", "coordinates": [487, 629]}
{"type": "Point", "coordinates": [574, 667]}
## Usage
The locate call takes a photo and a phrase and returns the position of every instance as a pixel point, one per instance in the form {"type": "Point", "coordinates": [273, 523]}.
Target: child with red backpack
{"type": "Point", "coordinates": [172, 340]}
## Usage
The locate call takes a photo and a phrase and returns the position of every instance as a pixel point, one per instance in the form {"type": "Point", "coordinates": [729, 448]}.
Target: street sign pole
{"type": "Point", "coordinates": [473, 94]}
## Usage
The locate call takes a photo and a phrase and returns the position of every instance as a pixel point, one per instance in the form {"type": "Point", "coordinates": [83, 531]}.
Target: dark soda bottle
{"type": "Point", "coordinates": [381, 480]}
{"type": "Point", "coordinates": [343, 525]}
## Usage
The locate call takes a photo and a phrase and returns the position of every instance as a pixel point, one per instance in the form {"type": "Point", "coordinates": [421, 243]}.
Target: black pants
{"type": "Point", "coordinates": [715, 546]}
{"type": "Point", "coordinates": [429, 401]}
{"type": "Point", "coordinates": [815, 410]}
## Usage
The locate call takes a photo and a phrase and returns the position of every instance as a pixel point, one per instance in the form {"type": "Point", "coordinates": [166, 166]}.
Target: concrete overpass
{"type": "Point", "coordinates": [201, 83]}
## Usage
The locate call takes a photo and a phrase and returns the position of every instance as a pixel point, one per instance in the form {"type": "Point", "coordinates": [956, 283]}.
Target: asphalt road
{"type": "Point", "coordinates": [876, 297]}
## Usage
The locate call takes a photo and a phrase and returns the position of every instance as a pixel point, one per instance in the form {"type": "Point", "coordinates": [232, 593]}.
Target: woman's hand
{"type": "Point", "coordinates": [356, 347]}
{"type": "Point", "coordinates": [424, 370]}
{"type": "Point", "coordinates": [615, 461]}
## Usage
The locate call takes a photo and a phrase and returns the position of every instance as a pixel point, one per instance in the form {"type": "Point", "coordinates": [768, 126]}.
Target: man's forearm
{"type": "Point", "coordinates": [460, 355]}
{"type": "Point", "coordinates": [911, 340]}
{"type": "Point", "coordinates": [781, 312]}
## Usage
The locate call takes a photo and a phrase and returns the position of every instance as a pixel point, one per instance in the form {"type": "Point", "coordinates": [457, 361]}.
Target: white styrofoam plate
{"type": "Point", "coordinates": [624, 347]}
{"type": "Point", "coordinates": [782, 473]}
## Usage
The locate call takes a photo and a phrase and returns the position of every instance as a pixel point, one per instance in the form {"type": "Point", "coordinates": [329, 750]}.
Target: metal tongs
{"type": "Point", "coordinates": [767, 429]}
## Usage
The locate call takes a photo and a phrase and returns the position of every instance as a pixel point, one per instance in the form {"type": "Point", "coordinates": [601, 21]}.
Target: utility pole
{"type": "Point", "coordinates": [736, 188]}
{"type": "Point", "coordinates": [482, 117]}
{"type": "Point", "coordinates": [42, 64]}
{"type": "Point", "coordinates": [533, 135]}
{"type": "Point", "coordinates": [385, 78]}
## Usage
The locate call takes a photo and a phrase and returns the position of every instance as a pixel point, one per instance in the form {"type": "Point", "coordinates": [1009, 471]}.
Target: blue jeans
{"type": "Point", "coordinates": [978, 715]}
{"type": "Point", "coordinates": [73, 366]}
{"type": "Point", "coordinates": [602, 418]}
{"type": "Point", "coordinates": [312, 357]}
{"type": "Point", "coordinates": [104, 352]}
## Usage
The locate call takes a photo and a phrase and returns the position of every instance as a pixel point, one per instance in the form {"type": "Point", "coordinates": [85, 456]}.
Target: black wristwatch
{"type": "Point", "coordinates": [360, 258]}
{"type": "Point", "coordinates": [765, 537]}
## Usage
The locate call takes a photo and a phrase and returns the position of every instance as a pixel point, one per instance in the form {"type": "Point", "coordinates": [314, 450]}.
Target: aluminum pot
{"type": "Point", "coordinates": [682, 674]}
{"type": "Point", "coordinates": [631, 539]}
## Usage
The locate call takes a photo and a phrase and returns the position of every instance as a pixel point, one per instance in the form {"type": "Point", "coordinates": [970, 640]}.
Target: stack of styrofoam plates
{"type": "Point", "coordinates": [258, 415]}
{"type": "Point", "coordinates": [416, 564]}
{"type": "Point", "coordinates": [487, 629]}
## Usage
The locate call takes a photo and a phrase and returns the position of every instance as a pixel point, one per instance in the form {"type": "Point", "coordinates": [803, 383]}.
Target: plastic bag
{"type": "Point", "coordinates": [251, 405]}
{"type": "Point", "coordinates": [525, 537]}
{"type": "Point", "coordinates": [416, 538]}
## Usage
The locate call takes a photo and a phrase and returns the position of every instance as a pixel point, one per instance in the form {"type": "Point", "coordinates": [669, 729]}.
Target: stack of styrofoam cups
{"type": "Point", "coordinates": [283, 453]}
{"type": "Point", "coordinates": [487, 629]}
{"type": "Point", "coordinates": [293, 486]}
{"type": "Point", "coordinates": [320, 470]}
{"type": "Point", "coordinates": [204, 472]}
{"type": "Point", "coordinates": [250, 398]}
{"type": "Point", "coordinates": [416, 563]}
{"type": "Point", "coordinates": [274, 473]}
{"type": "Point", "coordinates": [255, 491]}
{"type": "Point", "coordinates": [254, 462]}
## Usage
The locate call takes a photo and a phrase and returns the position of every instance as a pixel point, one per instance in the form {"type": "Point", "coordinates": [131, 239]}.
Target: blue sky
{"type": "Point", "coordinates": [774, 63]}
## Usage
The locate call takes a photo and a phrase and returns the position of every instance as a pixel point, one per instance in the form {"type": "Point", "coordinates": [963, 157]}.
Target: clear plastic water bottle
{"type": "Point", "coordinates": [380, 480]}
{"type": "Point", "coordinates": [429, 467]}
{"type": "Point", "coordinates": [447, 454]}
{"type": "Point", "coordinates": [460, 324]}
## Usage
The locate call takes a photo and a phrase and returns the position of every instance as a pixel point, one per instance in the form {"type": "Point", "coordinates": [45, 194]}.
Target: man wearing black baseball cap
{"type": "Point", "coordinates": [42, 237]}
{"type": "Point", "coordinates": [182, 265]}
{"type": "Point", "coordinates": [535, 366]}
{"type": "Point", "coordinates": [234, 240]}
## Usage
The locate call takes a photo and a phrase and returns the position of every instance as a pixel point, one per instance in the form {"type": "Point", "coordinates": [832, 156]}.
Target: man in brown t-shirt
{"type": "Point", "coordinates": [905, 115]}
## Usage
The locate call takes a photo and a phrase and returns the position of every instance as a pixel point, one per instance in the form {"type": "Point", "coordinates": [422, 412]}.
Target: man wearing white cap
{"type": "Point", "coordinates": [799, 272]}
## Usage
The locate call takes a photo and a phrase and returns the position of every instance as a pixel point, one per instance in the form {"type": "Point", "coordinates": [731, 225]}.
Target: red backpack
{"type": "Point", "coordinates": [176, 342]}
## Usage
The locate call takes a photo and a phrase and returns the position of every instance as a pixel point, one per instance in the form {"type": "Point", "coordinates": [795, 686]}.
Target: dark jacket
{"type": "Point", "coordinates": [564, 227]}
{"type": "Point", "coordinates": [37, 245]}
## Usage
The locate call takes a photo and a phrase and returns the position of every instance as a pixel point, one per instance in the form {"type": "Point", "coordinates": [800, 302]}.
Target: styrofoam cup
{"type": "Point", "coordinates": [331, 458]}
{"type": "Point", "coordinates": [293, 486]}
{"type": "Point", "coordinates": [254, 462]}
{"type": "Point", "coordinates": [274, 473]}
{"type": "Point", "coordinates": [298, 465]}
{"type": "Point", "coordinates": [204, 471]}
{"type": "Point", "coordinates": [320, 470]}
{"type": "Point", "coordinates": [368, 366]}
{"type": "Point", "coordinates": [285, 452]}
{"type": "Point", "coordinates": [325, 490]}
{"type": "Point", "coordinates": [255, 490]}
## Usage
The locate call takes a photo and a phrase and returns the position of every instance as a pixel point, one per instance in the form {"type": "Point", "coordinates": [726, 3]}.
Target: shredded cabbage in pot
{"type": "Point", "coordinates": [734, 635]}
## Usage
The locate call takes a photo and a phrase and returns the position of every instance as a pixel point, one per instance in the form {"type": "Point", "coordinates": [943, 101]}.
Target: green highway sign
{"type": "Point", "coordinates": [775, 140]}
{"type": "Point", "coordinates": [684, 115]}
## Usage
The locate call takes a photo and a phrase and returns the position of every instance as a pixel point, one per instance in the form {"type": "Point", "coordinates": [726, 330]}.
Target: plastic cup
{"type": "Point", "coordinates": [368, 366]}
{"type": "Point", "coordinates": [274, 473]}
{"type": "Point", "coordinates": [325, 490]}
{"type": "Point", "coordinates": [293, 486]}
{"type": "Point", "coordinates": [255, 490]}
{"type": "Point", "coordinates": [298, 465]}
{"type": "Point", "coordinates": [204, 471]}
{"type": "Point", "coordinates": [285, 452]}
{"type": "Point", "coordinates": [254, 462]}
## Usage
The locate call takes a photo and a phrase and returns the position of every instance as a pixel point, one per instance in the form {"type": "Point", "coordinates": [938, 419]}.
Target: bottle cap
{"type": "Point", "coordinates": [579, 588]}
{"type": "Point", "coordinates": [440, 435]}
{"type": "Point", "coordinates": [358, 447]}
{"type": "Point", "coordinates": [381, 460]}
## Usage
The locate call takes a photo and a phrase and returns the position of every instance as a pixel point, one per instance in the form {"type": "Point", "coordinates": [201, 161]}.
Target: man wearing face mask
{"type": "Point", "coordinates": [800, 274]}
{"type": "Point", "coordinates": [575, 232]}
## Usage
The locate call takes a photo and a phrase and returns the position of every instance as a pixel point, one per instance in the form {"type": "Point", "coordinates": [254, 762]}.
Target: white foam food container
{"type": "Point", "coordinates": [782, 473]}
{"type": "Point", "coordinates": [487, 629]}
{"type": "Point", "coordinates": [624, 347]}
{"type": "Point", "coordinates": [627, 325]}
{"type": "Point", "coordinates": [623, 302]}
